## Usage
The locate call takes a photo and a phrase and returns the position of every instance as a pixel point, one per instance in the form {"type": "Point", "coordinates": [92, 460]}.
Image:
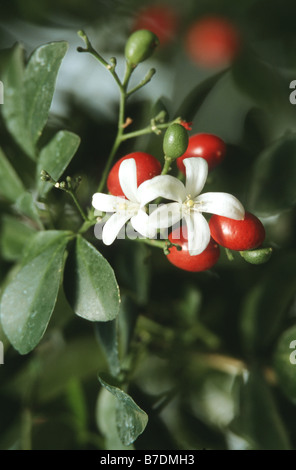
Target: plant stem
{"type": "Point", "coordinates": [81, 211]}
{"type": "Point", "coordinates": [167, 165]}
{"type": "Point", "coordinates": [120, 127]}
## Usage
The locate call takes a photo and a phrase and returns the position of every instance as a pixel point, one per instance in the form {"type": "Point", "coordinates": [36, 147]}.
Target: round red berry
{"type": "Point", "coordinates": [238, 235]}
{"type": "Point", "coordinates": [212, 42]}
{"type": "Point", "coordinates": [162, 20]}
{"type": "Point", "coordinates": [147, 167]}
{"type": "Point", "coordinates": [208, 146]}
{"type": "Point", "coordinates": [183, 260]}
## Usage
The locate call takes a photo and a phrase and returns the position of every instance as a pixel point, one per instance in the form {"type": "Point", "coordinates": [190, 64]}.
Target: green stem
{"type": "Point", "coordinates": [120, 127]}
{"type": "Point", "coordinates": [76, 202]}
{"type": "Point", "coordinates": [167, 165]}
{"type": "Point", "coordinates": [147, 130]}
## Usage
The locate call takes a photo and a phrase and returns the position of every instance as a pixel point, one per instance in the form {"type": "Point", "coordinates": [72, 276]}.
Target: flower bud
{"type": "Point", "coordinates": [175, 141]}
{"type": "Point", "coordinates": [140, 46]}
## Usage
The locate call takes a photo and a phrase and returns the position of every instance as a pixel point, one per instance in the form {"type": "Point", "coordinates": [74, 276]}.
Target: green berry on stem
{"type": "Point", "coordinates": [260, 256]}
{"type": "Point", "coordinates": [175, 141]}
{"type": "Point", "coordinates": [140, 46]}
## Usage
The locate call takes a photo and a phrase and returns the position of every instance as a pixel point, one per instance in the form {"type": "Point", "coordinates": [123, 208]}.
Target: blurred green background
{"type": "Point", "coordinates": [209, 353]}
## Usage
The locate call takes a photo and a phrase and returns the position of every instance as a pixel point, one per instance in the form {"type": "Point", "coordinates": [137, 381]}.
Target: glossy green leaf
{"type": "Point", "coordinates": [259, 420]}
{"type": "Point", "coordinates": [265, 306]}
{"type": "Point", "coordinates": [272, 187]}
{"type": "Point", "coordinates": [26, 206]}
{"type": "Point", "coordinates": [55, 157]}
{"type": "Point", "coordinates": [28, 92]}
{"type": "Point", "coordinates": [131, 420]}
{"type": "Point", "coordinates": [14, 235]}
{"type": "Point", "coordinates": [197, 96]}
{"type": "Point", "coordinates": [39, 84]}
{"type": "Point", "coordinates": [90, 283]}
{"type": "Point", "coordinates": [29, 299]}
{"type": "Point", "coordinates": [107, 336]}
{"type": "Point", "coordinates": [13, 109]}
{"type": "Point", "coordinates": [106, 421]}
{"type": "Point", "coordinates": [285, 363]}
{"type": "Point", "coordinates": [11, 186]}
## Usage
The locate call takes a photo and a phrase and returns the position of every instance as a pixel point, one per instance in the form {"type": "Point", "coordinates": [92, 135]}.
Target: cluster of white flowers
{"type": "Point", "coordinates": [188, 204]}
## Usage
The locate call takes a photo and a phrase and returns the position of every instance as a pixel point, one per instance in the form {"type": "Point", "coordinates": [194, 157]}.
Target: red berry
{"type": "Point", "coordinates": [212, 42]}
{"type": "Point", "coordinates": [183, 260]}
{"type": "Point", "coordinates": [208, 146]}
{"type": "Point", "coordinates": [147, 167]}
{"type": "Point", "coordinates": [162, 20]}
{"type": "Point", "coordinates": [239, 235]}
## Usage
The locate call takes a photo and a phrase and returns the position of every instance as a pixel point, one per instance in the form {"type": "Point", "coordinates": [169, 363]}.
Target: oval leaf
{"type": "Point", "coordinates": [131, 420]}
{"type": "Point", "coordinates": [13, 109]}
{"type": "Point", "coordinates": [29, 298]}
{"type": "Point", "coordinates": [39, 84]}
{"type": "Point", "coordinates": [90, 284]}
{"type": "Point", "coordinates": [55, 157]}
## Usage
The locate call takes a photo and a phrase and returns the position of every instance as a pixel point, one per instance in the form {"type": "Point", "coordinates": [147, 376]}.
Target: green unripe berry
{"type": "Point", "coordinates": [175, 141]}
{"type": "Point", "coordinates": [260, 256]}
{"type": "Point", "coordinates": [140, 46]}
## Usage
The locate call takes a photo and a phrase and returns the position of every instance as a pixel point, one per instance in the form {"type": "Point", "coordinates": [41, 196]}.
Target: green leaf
{"type": "Point", "coordinates": [272, 188]}
{"type": "Point", "coordinates": [259, 420]}
{"type": "Point", "coordinates": [131, 420]}
{"type": "Point", "coordinates": [90, 284]}
{"type": "Point", "coordinates": [106, 421]}
{"type": "Point", "coordinates": [55, 157]}
{"type": "Point", "coordinates": [29, 298]}
{"type": "Point", "coordinates": [26, 205]}
{"type": "Point", "coordinates": [39, 84]}
{"type": "Point", "coordinates": [285, 363]}
{"type": "Point", "coordinates": [28, 92]}
{"type": "Point", "coordinates": [197, 96]}
{"type": "Point", "coordinates": [107, 336]}
{"type": "Point", "coordinates": [263, 84]}
{"type": "Point", "coordinates": [265, 306]}
{"type": "Point", "coordinates": [13, 109]}
{"type": "Point", "coordinates": [11, 187]}
{"type": "Point", "coordinates": [15, 234]}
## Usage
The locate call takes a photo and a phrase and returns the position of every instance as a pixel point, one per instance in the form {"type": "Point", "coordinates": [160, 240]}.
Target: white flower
{"type": "Point", "coordinates": [190, 204]}
{"type": "Point", "coordinates": [132, 208]}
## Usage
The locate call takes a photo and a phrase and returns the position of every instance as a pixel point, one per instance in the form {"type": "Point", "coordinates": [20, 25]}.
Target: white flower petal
{"type": "Point", "coordinates": [165, 186]}
{"type": "Point", "coordinates": [105, 202]}
{"type": "Point", "coordinates": [141, 223]}
{"type": "Point", "coordinates": [166, 215]}
{"type": "Point", "coordinates": [196, 175]}
{"type": "Point", "coordinates": [223, 204]}
{"type": "Point", "coordinates": [198, 233]}
{"type": "Point", "coordinates": [128, 179]}
{"type": "Point", "coordinates": [113, 226]}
